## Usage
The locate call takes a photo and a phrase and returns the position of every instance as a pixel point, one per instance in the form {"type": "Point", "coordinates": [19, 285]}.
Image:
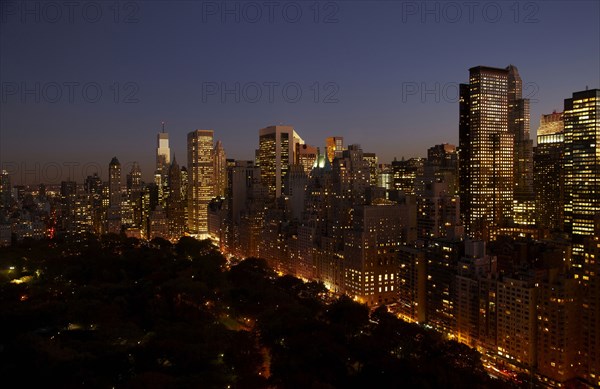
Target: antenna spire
{"type": "Point", "coordinates": [163, 126]}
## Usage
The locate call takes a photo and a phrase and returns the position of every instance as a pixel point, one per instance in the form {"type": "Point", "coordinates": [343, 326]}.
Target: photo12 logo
{"type": "Point", "coordinates": [69, 12]}
{"type": "Point", "coordinates": [271, 12]}
{"type": "Point", "coordinates": [69, 92]}
{"type": "Point", "coordinates": [269, 92]}
{"type": "Point", "coordinates": [470, 12]}
{"type": "Point", "coordinates": [449, 92]}
{"type": "Point", "coordinates": [51, 172]}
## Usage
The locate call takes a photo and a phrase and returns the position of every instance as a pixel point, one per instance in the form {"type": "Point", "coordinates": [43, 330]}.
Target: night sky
{"type": "Point", "coordinates": [158, 61]}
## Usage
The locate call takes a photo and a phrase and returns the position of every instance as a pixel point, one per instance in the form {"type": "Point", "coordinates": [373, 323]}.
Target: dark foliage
{"type": "Point", "coordinates": [119, 312]}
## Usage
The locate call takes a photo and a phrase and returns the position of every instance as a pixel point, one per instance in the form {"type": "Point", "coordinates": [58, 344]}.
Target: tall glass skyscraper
{"type": "Point", "coordinates": [487, 152]}
{"type": "Point", "coordinates": [163, 161]}
{"type": "Point", "coordinates": [276, 152]}
{"type": "Point", "coordinates": [114, 197]}
{"type": "Point", "coordinates": [200, 180]}
{"type": "Point", "coordinates": [549, 177]}
{"type": "Point", "coordinates": [220, 169]}
{"type": "Point", "coordinates": [582, 215]}
{"type": "Point", "coordinates": [518, 126]}
{"type": "Point", "coordinates": [582, 165]}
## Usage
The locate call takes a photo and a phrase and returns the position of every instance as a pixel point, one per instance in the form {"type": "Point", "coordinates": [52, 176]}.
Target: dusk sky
{"type": "Point", "coordinates": [365, 58]}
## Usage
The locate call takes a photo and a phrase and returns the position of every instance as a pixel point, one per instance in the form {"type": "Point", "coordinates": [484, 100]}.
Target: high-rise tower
{"type": "Point", "coordinates": [487, 152]}
{"type": "Point", "coordinates": [114, 183]}
{"type": "Point", "coordinates": [5, 189]}
{"type": "Point", "coordinates": [548, 172]}
{"type": "Point", "coordinates": [163, 152]}
{"type": "Point", "coordinates": [276, 152]}
{"type": "Point", "coordinates": [134, 193]}
{"type": "Point", "coordinates": [114, 196]}
{"type": "Point", "coordinates": [175, 206]}
{"type": "Point", "coordinates": [582, 165]}
{"type": "Point", "coordinates": [201, 179]}
{"type": "Point", "coordinates": [163, 161]}
{"type": "Point", "coordinates": [220, 169]}
{"type": "Point", "coordinates": [518, 126]}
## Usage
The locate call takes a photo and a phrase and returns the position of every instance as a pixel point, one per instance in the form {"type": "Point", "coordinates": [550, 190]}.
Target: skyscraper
{"type": "Point", "coordinates": [276, 152]}
{"type": "Point", "coordinates": [582, 210]}
{"type": "Point", "coordinates": [68, 194]}
{"type": "Point", "coordinates": [548, 172]}
{"type": "Point", "coordinates": [518, 126]}
{"type": "Point", "coordinates": [134, 179]}
{"type": "Point", "coordinates": [582, 163]}
{"type": "Point", "coordinates": [163, 160]}
{"type": "Point", "coordinates": [114, 196]}
{"type": "Point", "coordinates": [5, 189]}
{"type": "Point", "coordinates": [220, 169]}
{"type": "Point", "coordinates": [443, 159]}
{"type": "Point", "coordinates": [487, 152]}
{"type": "Point", "coordinates": [201, 180]}
{"type": "Point", "coordinates": [175, 207]}
{"type": "Point", "coordinates": [245, 208]}
{"type": "Point", "coordinates": [132, 213]}
{"type": "Point", "coordinates": [163, 152]}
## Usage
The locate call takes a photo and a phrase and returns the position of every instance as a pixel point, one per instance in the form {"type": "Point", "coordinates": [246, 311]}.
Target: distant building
{"type": "Point", "coordinates": [220, 169]}
{"type": "Point", "coordinates": [371, 160]}
{"type": "Point", "coordinates": [443, 162]}
{"type": "Point", "coordinates": [5, 189]}
{"type": "Point", "coordinates": [216, 220]}
{"type": "Point", "coordinates": [334, 146]}
{"type": "Point", "coordinates": [518, 126]}
{"type": "Point", "coordinates": [405, 173]}
{"type": "Point", "coordinates": [114, 197]}
{"type": "Point", "coordinates": [159, 224]}
{"type": "Point", "coordinates": [276, 153]}
{"type": "Point", "coordinates": [134, 194]}
{"type": "Point", "coordinates": [5, 235]}
{"type": "Point", "coordinates": [306, 156]}
{"type": "Point", "coordinates": [163, 160]}
{"type": "Point", "coordinates": [175, 204]}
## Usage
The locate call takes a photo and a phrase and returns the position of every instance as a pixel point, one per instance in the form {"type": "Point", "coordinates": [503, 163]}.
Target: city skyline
{"type": "Point", "coordinates": [494, 277]}
{"type": "Point", "coordinates": [377, 82]}
{"type": "Point", "coordinates": [345, 193]}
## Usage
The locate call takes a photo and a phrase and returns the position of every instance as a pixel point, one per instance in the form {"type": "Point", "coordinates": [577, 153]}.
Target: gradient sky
{"type": "Point", "coordinates": [170, 49]}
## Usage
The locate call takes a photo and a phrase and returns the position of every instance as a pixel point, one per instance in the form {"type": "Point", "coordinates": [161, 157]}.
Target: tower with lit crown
{"type": "Point", "coordinates": [487, 152]}
{"type": "Point", "coordinates": [163, 160]}
{"type": "Point", "coordinates": [548, 172]}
